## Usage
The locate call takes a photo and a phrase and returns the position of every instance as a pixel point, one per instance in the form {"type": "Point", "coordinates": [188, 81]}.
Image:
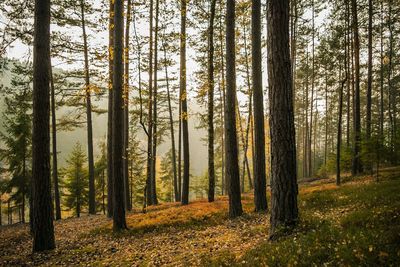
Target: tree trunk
{"type": "Point", "coordinates": [183, 99]}
{"type": "Point", "coordinates": [171, 126]}
{"type": "Point", "coordinates": [126, 109]}
{"type": "Point", "coordinates": [231, 146]}
{"type": "Point", "coordinates": [180, 149]}
{"type": "Point", "coordinates": [92, 190]}
{"type": "Point", "coordinates": [339, 129]}
{"type": "Point", "coordinates": [392, 110]}
{"type": "Point", "coordinates": [222, 97]}
{"type": "Point", "coordinates": [103, 193]}
{"type": "Point", "coordinates": [43, 229]}
{"type": "Point", "coordinates": [245, 140]}
{"type": "Point", "coordinates": [119, 222]}
{"type": "Point", "coordinates": [149, 198]}
{"type": "Point", "coordinates": [369, 83]}
{"type": "Point", "coordinates": [154, 199]}
{"type": "Point", "coordinates": [260, 182]}
{"type": "Point", "coordinates": [356, 162]}
{"type": "Point", "coordinates": [211, 167]}
{"type": "Point", "coordinates": [349, 82]}
{"type": "Point", "coordinates": [381, 93]}
{"type": "Point", "coordinates": [54, 145]}
{"type": "Point", "coordinates": [310, 150]}
{"type": "Point", "coordinates": [284, 190]}
{"type": "Point", "coordinates": [110, 185]}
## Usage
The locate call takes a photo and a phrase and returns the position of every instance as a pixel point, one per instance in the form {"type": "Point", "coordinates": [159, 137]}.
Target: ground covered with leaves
{"type": "Point", "coordinates": [352, 225]}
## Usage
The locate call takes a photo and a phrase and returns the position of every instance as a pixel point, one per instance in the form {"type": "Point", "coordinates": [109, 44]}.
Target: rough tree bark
{"type": "Point", "coordinates": [284, 190]}
{"type": "Point", "coordinates": [231, 146]}
{"type": "Point", "coordinates": [43, 229]}
{"type": "Point", "coordinates": [211, 167]}
{"type": "Point", "coordinates": [119, 222]}
{"type": "Point", "coordinates": [183, 99]}
{"type": "Point", "coordinates": [260, 183]}
{"type": "Point", "coordinates": [356, 167]}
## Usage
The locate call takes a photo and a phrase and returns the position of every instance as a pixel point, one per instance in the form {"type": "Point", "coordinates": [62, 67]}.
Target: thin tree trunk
{"type": "Point", "coordinates": [391, 90]}
{"type": "Point", "coordinates": [284, 190]}
{"type": "Point", "coordinates": [119, 222]}
{"type": "Point", "coordinates": [92, 193]}
{"type": "Point", "coordinates": [126, 109]}
{"type": "Point", "coordinates": [339, 129]}
{"type": "Point", "coordinates": [149, 198]}
{"type": "Point", "coordinates": [110, 184]}
{"type": "Point", "coordinates": [155, 89]}
{"type": "Point", "coordinates": [183, 99]}
{"type": "Point", "coordinates": [43, 229]}
{"type": "Point", "coordinates": [78, 193]}
{"type": "Point", "coordinates": [348, 45]}
{"type": "Point", "coordinates": [54, 146]}
{"type": "Point", "coordinates": [245, 140]}
{"type": "Point", "coordinates": [103, 193]}
{"type": "Point", "coordinates": [180, 149]}
{"type": "Point", "coordinates": [356, 163]}
{"type": "Point", "coordinates": [310, 151]}
{"type": "Point", "coordinates": [222, 97]}
{"type": "Point", "coordinates": [211, 167]}
{"type": "Point", "coordinates": [171, 126]}
{"type": "Point", "coordinates": [381, 93]}
{"type": "Point", "coordinates": [369, 83]}
{"type": "Point", "coordinates": [260, 182]}
{"type": "Point", "coordinates": [231, 146]}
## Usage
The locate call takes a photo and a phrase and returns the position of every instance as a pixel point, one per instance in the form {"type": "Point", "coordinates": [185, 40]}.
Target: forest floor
{"type": "Point", "coordinates": [355, 224]}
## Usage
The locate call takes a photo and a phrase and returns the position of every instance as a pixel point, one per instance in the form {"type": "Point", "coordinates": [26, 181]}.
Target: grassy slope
{"type": "Point", "coordinates": [357, 224]}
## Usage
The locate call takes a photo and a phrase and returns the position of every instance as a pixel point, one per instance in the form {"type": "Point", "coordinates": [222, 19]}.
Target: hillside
{"type": "Point", "coordinates": [352, 225]}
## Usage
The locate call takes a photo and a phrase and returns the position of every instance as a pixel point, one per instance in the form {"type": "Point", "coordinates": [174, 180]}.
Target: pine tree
{"type": "Point", "coordinates": [119, 222]}
{"type": "Point", "coordinates": [76, 181]}
{"type": "Point", "coordinates": [231, 152]}
{"type": "Point", "coordinates": [17, 138]}
{"type": "Point", "coordinates": [43, 229]}
{"type": "Point", "coordinates": [260, 182]}
{"type": "Point", "coordinates": [284, 211]}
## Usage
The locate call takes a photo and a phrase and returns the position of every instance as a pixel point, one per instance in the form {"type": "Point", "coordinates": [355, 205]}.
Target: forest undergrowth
{"type": "Point", "coordinates": [355, 224]}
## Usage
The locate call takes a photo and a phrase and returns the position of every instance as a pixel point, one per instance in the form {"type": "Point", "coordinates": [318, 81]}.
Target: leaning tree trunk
{"type": "Point", "coordinates": [211, 166]}
{"type": "Point", "coordinates": [171, 127]}
{"type": "Point", "coordinates": [260, 182]}
{"type": "Point", "coordinates": [92, 193]}
{"type": "Point", "coordinates": [54, 146]}
{"type": "Point", "coordinates": [128, 205]}
{"type": "Point", "coordinates": [43, 229]}
{"type": "Point", "coordinates": [110, 185]}
{"type": "Point", "coordinates": [183, 99]}
{"type": "Point", "coordinates": [284, 190]}
{"type": "Point", "coordinates": [231, 145]}
{"type": "Point", "coordinates": [119, 222]}
{"type": "Point", "coordinates": [356, 161]}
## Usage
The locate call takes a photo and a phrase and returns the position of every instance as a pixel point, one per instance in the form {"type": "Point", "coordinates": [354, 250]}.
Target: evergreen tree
{"type": "Point", "coordinates": [17, 135]}
{"type": "Point", "coordinates": [76, 181]}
